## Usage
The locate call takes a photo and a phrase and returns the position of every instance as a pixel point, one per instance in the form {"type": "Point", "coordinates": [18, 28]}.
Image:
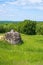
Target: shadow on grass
{"type": "Point", "coordinates": [20, 43]}
{"type": "Point", "coordinates": [7, 45]}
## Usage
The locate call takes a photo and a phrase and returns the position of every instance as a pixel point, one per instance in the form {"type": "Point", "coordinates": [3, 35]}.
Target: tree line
{"type": "Point", "coordinates": [26, 27]}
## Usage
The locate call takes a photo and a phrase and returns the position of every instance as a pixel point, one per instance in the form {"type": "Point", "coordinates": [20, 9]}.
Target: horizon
{"type": "Point", "coordinates": [19, 10]}
{"type": "Point", "coordinates": [17, 21]}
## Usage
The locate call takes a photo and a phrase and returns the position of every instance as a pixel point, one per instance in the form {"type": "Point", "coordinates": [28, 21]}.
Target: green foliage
{"type": "Point", "coordinates": [7, 27]}
{"type": "Point", "coordinates": [2, 29]}
{"type": "Point", "coordinates": [28, 27]}
{"type": "Point", "coordinates": [39, 28]}
{"type": "Point", "coordinates": [40, 31]}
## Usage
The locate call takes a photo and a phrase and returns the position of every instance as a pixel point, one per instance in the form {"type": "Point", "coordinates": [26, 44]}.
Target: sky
{"type": "Point", "coordinates": [18, 10]}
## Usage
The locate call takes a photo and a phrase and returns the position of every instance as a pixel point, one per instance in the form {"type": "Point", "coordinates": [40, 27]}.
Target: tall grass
{"type": "Point", "coordinates": [29, 53]}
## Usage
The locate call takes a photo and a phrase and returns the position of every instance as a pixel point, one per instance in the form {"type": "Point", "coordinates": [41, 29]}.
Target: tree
{"type": "Point", "coordinates": [28, 27]}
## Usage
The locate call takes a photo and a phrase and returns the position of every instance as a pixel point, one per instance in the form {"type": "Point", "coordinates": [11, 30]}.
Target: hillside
{"type": "Point", "coordinates": [28, 53]}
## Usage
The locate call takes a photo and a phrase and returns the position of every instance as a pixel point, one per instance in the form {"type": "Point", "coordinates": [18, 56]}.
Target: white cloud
{"type": "Point", "coordinates": [28, 4]}
{"type": "Point", "coordinates": [40, 8]}
{"type": "Point", "coordinates": [18, 2]}
{"type": "Point", "coordinates": [10, 15]}
{"type": "Point", "coordinates": [3, 4]}
{"type": "Point", "coordinates": [2, 8]}
{"type": "Point", "coordinates": [2, 11]}
{"type": "Point", "coordinates": [34, 7]}
{"type": "Point", "coordinates": [24, 2]}
{"type": "Point", "coordinates": [35, 1]}
{"type": "Point", "coordinates": [15, 2]}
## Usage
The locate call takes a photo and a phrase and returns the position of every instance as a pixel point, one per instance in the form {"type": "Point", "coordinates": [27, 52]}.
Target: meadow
{"type": "Point", "coordinates": [30, 52]}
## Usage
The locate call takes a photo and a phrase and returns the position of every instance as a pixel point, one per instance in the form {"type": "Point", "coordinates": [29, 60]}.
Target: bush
{"type": "Point", "coordinates": [40, 31]}
{"type": "Point", "coordinates": [39, 28]}
{"type": "Point", "coordinates": [2, 29]}
{"type": "Point", "coordinates": [27, 27]}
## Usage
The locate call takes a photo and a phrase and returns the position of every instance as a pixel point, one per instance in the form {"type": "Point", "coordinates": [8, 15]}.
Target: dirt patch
{"type": "Point", "coordinates": [1, 37]}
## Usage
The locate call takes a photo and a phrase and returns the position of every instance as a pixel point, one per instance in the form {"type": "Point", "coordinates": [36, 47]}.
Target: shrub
{"type": "Point", "coordinates": [28, 27]}
{"type": "Point", "coordinates": [40, 31]}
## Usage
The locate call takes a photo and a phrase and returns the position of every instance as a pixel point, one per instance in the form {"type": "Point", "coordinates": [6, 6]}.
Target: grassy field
{"type": "Point", "coordinates": [28, 53]}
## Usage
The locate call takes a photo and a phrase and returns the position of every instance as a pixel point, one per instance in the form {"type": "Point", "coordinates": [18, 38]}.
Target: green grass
{"type": "Point", "coordinates": [28, 53]}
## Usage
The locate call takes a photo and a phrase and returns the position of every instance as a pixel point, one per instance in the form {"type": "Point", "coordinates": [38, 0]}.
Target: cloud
{"type": "Point", "coordinates": [12, 3]}
{"type": "Point", "coordinates": [2, 11]}
{"type": "Point", "coordinates": [27, 4]}
{"type": "Point", "coordinates": [2, 8]}
{"type": "Point", "coordinates": [24, 2]}
{"type": "Point", "coordinates": [35, 1]}
{"type": "Point", "coordinates": [40, 8]}
{"type": "Point", "coordinates": [3, 4]}
{"type": "Point", "coordinates": [30, 7]}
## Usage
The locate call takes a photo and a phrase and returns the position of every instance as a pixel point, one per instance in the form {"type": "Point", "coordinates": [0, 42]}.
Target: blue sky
{"type": "Point", "coordinates": [16, 10]}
